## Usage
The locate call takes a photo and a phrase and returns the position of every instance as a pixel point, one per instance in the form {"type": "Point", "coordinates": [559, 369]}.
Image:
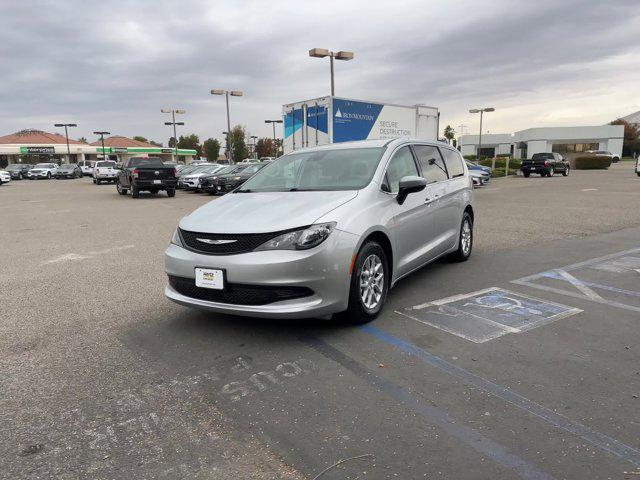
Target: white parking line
{"type": "Point", "coordinates": [72, 257]}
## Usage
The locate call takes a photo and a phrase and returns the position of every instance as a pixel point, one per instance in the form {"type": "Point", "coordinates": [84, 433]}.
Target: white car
{"type": "Point", "coordinates": [191, 181]}
{"type": "Point", "coordinates": [105, 171]}
{"type": "Point", "coordinates": [5, 177]}
{"type": "Point", "coordinates": [87, 167]}
{"type": "Point", "coordinates": [42, 170]}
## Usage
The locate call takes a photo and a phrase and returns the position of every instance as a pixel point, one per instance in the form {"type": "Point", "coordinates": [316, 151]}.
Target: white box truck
{"type": "Point", "coordinates": [333, 119]}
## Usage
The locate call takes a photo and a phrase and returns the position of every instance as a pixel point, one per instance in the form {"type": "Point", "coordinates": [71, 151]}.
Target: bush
{"type": "Point", "coordinates": [499, 172]}
{"type": "Point", "coordinates": [503, 155]}
{"type": "Point", "coordinates": [469, 157]}
{"type": "Point", "coordinates": [515, 163]}
{"type": "Point", "coordinates": [591, 162]}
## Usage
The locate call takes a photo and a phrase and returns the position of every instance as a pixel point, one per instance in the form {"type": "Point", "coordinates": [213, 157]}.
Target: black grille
{"type": "Point", "coordinates": [238, 294]}
{"type": "Point", "coordinates": [244, 242]}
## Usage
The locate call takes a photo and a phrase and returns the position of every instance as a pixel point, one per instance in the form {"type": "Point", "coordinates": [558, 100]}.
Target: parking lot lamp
{"type": "Point", "coordinates": [173, 122]}
{"type": "Point", "coordinates": [481, 111]}
{"type": "Point", "coordinates": [253, 153]}
{"type": "Point", "coordinates": [102, 134]}
{"type": "Point", "coordinates": [226, 93]}
{"type": "Point", "coordinates": [273, 123]}
{"type": "Point", "coordinates": [66, 134]}
{"type": "Point", "coordinates": [323, 52]}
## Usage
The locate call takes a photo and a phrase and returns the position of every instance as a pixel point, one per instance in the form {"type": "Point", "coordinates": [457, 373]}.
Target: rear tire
{"type": "Point", "coordinates": [135, 193]}
{"type": "Point", "coordinates": [368, 290]}
{"type": "Point", "coordinates": [550, 172]}
{"type": "Point", "coordinates": [20, 176]}
{"type": "Point", "coordinates": [526, 174]}
{"type": "Point", "coordinates": [465, 240]}
{"type": "Point", "coordinates": [171, 192]}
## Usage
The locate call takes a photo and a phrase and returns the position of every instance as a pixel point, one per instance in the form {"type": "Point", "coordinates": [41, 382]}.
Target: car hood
{"type": "Point", "coordinates": [263, 211]}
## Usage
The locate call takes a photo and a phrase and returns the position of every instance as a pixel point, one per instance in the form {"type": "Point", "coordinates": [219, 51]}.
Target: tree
{"type": "Point", "coordinates": [82, 140]}
{"type": "Point", "coordinates": [171, 142]}
{"type": "Point", "coordinates": [238, 144]}
{"type": "Point", "coordinates": [139, 138]}
{"type": "Point", "coordinates": [264, 147]}
{"type": "Point", "coordinates": [449, 133]}
{"type": "Point", "coordinates": [157, 144]}
{"type": "Point", "coordinates": [211, 149]}
{"type": "Point", "coordinates": [191, 142]}
{"type": "Point", "coordinates": [631, 142]}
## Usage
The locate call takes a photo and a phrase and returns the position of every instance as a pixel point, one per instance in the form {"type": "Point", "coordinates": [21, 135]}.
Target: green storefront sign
{"type": "Point", "coordinates": [135, 150]}
{"type": "Point", "coordinates": [38, 150]}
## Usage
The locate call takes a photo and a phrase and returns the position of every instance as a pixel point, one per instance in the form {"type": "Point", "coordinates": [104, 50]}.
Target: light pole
{"type": "Point", "coordinates": [226, 93]}
{"type": "Point", "coordinates": [102, 134]}
{"type": "Point", "coordinates": [273, 123]}
{"type": "Point", "coordinates": [323, 52]}
{"type": "Point", "coordinates": [173, 122]}
{"type": "Point", "coordinates": [253, 153]}
{"type": "Point", "coordinates": [481, 111]}
{"type": "Point", "coordinates": [66, 134]}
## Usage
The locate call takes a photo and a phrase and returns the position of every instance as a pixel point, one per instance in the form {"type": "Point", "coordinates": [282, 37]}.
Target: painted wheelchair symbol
{"type": "Point", "coordinates": [503, 302]}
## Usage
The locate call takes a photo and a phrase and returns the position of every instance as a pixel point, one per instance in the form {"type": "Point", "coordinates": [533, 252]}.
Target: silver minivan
{"type": "Point", "coordinates": [324, 230]}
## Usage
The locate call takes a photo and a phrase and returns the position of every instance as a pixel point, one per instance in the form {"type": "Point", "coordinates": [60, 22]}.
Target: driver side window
{"type": "Point", "coordinates": [401, 165]}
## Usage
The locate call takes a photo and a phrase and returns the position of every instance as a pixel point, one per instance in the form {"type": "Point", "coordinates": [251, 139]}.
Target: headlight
{"type": "Point", "coordinates": [300, 239]}
{"type": "Point", "coordinates": [237, 178]}
{"type": "Point", "coordinates": [175, 238]}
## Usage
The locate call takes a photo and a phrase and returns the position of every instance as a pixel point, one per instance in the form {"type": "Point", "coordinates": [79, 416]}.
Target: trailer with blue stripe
{"type": "Point", "coordinates": [325, 120]}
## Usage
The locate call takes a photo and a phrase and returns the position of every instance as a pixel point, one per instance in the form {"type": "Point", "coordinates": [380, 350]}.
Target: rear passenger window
{"type": "Point", "coordinates": [431, 163]}
{"type": "Point", "coordinates": [453, 162]}
{"type": "Point", "coordinates": [401, 165]}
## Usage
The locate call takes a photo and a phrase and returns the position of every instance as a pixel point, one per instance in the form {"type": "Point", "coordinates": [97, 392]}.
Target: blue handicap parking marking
{"type": "Point", "coordinates": [487, 314]}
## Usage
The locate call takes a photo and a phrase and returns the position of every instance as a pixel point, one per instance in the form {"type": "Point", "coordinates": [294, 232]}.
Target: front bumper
{"type": "Point", "coordinates": [323, 269]}
{"type": "Point", "coordinates": [38, 175]}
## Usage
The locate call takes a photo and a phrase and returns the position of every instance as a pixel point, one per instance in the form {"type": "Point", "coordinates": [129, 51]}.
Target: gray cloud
{"type": "Point", "coordinates": [113, 65]}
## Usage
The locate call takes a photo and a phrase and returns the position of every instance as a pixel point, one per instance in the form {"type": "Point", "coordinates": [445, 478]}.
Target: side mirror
{"type": "Point", "coordinates": [411, 184]}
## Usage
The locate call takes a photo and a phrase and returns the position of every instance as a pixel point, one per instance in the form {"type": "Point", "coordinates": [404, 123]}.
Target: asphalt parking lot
{"type": "Point", "coordinates": [520, 363]}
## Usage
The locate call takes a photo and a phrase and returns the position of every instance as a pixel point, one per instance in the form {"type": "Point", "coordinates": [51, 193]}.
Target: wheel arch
{"type": "Point", "coordinates": [381, 237]}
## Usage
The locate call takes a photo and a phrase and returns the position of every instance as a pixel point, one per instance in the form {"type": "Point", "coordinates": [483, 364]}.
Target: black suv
{"type": "Point", "coordinates": [546, 164]}
{"type": "Point", "coordinates": [18, 171]}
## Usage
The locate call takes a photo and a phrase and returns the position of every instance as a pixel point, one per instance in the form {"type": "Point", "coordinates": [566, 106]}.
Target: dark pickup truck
{"type": "Point", "coordinates": [546, 164]}
{"type": "Point", "coordinates": [146, 173]}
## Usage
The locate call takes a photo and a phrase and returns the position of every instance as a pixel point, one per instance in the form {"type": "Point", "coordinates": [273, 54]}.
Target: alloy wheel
{"type": "Point", "coordinates": [465, 237]}
{"type": "Point", "coordinates": [371, 282]}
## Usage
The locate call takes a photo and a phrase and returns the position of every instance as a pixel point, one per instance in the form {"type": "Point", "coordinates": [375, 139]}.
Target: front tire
{"type": "Point", "coordinates": [48, 175]}
{"type": "Point", "coordinates": [526, 174]}
{"type": "Point", "coordinates": [135, 192]}
{"type": "Point", "coordinates": [121, 190]}
{"type": "Point", "coordinates": [551, 172]}
{"type": "Point", "coordinates": [465, 240]}
{"type": "Point", "coordinates": [566, 172]}
{"type": "Point", "coordinates": [20, 176]}
{"type": "Point", "coordinates": [171, 192]}
{"type": "Point", "coordinates": [370, 280]}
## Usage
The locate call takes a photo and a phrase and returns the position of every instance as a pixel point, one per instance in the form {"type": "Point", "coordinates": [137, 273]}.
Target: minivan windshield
{"type": "Point", "coordinates": [334, 169]}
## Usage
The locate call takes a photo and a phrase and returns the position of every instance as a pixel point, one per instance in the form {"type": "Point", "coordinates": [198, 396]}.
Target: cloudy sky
{"type": "Point", "coordinates": [113, 65]}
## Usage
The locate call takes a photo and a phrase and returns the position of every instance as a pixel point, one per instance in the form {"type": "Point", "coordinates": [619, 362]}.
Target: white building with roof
{"type": "Point", "coordinates": [563, 140]}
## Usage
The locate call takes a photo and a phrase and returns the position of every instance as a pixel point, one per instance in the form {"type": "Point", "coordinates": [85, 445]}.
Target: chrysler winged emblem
{"type": "Point", "coordinates": [216, 242]}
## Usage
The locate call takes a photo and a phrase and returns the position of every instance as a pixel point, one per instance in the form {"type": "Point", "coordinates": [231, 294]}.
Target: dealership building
{"type": "Point", "coordinates": [35, 146]}
{"type": "Point", "coordinates": [563, 140]}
